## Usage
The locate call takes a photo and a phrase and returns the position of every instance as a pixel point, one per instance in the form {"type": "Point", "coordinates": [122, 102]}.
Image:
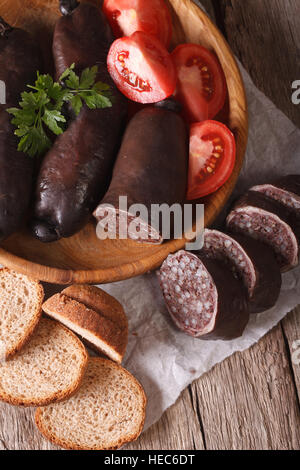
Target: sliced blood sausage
{"type": "Point", "coordinates": [266, 220]}
{"type": "Point", "coordinates": [285, 190]}
{"type": "Point", "coordinates": [19, 62]}
{"type": "Point", "coordinates": [75, 173]}
{"type": "Point", "coordinates": [203, 297]}
{"type": "Point", "coordinates": [251, 261]}
{"type": "Point", "coordinates": [151, 168]}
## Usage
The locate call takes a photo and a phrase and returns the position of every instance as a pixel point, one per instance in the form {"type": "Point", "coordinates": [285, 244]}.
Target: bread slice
{"type": "Point", "coordinates": [106, 412]}
{"type": "Point", "coordinates": [93, 314]}
{"type": "Point", "coordinates": [21, 301]}
{"type": "Point", "coordinates": [50, 367]}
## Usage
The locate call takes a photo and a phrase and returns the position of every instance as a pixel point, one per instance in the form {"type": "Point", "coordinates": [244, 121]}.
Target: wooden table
{"type": "Point", "coordinates": [251, 400]}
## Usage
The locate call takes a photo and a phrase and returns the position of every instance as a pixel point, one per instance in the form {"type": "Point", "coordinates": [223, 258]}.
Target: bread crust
{"type": "Point", "coordinates": [95, 312]}
{"type": "Point", "coordinates": [57, 396]}
{"type": "Point", "coordinates": [71, 446]}
{"type": "Point", "coordinates": [11, 351]}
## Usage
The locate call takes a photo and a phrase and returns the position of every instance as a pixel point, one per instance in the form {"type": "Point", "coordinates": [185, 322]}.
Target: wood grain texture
{"type": "Point", "coordinates": [291, 333]}
{"type": "Point", "coordinates": [265, 35]}
{"type": "Point", "coordinates": [179, 428]}
{"type": "Point", "coordinates": [84, 258]}
{"type": "Point", "coordinates": [18, 431]}
{"type": "Point", "coordinates": [249, 401]}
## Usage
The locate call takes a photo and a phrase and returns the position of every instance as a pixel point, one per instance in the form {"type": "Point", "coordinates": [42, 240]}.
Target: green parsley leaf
{"type": "Point", "coordinates": [77, 104]}
{"type": "Point", "coordinates": [93, 100]}
{"type": "Point", "coordinates": [52, 118]}
{"type": "Point", "coordinates": [41, 109]}
{"type": "Point", "coordinates": [72, 81]}
{"type": "Point", "coordinates": [34, 141]}
{"type": "Point", "coordinates": [101, 87]}
{"type": "Point", "coordinates": [66, 73]}
{"type": "Point", "coordinates": [88, 77]}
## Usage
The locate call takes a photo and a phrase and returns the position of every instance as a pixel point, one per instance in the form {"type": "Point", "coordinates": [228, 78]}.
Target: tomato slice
{"type": "Point", "coordinates": [194, 106]}
{"type": "Point", "coordinates": [212, 158]}
{"type": "Point", "coordinates": [128, 16]}
{"type": "Point", "coordinates": [142, 68]}
{"type": "Point", "coordinates": [201, 81]}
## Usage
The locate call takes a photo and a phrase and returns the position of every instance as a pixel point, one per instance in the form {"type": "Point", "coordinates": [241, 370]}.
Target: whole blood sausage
{"type": "Point", "coordinates": [251, 261]}
{"type": "Point", "coordinates": [266, 220]}
{"type": "Point", "coordinates": [285, 190]}
{"type": "Point", "coordinates": [75, 173]}
{"type": "Point", "coordinates": [151, 168]}
{"type": "Point", "coordinates": [19, 62]}
{"type": "Point", "coordinates": [203, 297]}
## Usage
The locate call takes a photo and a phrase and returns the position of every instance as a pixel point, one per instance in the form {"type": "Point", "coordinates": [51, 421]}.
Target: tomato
{"type": "Point", "coordinates": [142, 68]}
{"type": "Point", "coordinates": [212, 158]}
{"type": "Point", "coordinates": [128, 16]}
{"type": "Point", "coordinates": [195, 107]}
{"type": "Point", "coordinates": [201, 82]}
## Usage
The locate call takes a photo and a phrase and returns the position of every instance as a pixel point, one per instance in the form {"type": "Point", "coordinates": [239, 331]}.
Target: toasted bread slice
{"type": "Point", "coordinates": [93, 314]}
{"type": "Point", "coordinates": [106, 412]}
{"type": "Point", "coordinates": [49, 368]}
{"type": "Point", "coordinates": [21, 301]}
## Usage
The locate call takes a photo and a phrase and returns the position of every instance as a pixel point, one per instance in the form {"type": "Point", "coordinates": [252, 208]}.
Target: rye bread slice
{"type": "Point", "coordinates": [49, 368]}
{"type": "Point", "coordinates": [106, 412]}
{"type": "Point", "coordinates": [94, 315]}
{"type": "Point", "coordinates": [21, 301]}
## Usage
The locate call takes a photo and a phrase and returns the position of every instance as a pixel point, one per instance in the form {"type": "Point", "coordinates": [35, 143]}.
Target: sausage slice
{"type": "Point", "coordinates": [251, 261]}
{"type": "Point", "coordinates": [203, 297]}
{"type": "Point", "coordinates": [268, 221]}
{"type": "Point", "coordinates": [286, 191]}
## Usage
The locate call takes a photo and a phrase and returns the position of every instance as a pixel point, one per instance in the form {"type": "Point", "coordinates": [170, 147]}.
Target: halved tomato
{"type": "Point", "coordinates": [142, 68]}
{"type": "Point", "coordinates": [212, 158]}
{"type": "Point", "coordinates": [201, 81]}
{"type": "Point", "coordinates": [128, 16]}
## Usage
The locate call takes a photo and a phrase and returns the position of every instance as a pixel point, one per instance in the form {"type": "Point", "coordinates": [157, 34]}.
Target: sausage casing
{"type": "Point", "coordinates": [75, 173]}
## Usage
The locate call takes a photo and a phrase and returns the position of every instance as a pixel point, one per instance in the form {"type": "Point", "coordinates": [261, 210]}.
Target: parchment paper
{"type": "Point", "coordinates": [160, 356]}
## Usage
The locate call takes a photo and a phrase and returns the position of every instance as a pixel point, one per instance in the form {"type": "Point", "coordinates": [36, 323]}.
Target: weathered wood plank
{"type": "Point", "coordinates": [18, 431]}
{"type": "Point", "coordinates": [266, 37]}
{"type": "Point", "coordinates": [179, 428]}
{"type": "Point", "coordinates": [249, 401]}
{"type": "Point", "coordinates": [291, 329]}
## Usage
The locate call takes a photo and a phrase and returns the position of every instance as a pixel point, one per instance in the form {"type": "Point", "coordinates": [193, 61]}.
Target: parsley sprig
{"type": "Point", "coordinates": [41, 110]}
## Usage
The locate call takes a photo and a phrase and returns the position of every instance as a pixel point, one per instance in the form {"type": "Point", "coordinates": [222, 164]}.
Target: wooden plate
{"type": "Point", "coordinates": [83, 258]}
